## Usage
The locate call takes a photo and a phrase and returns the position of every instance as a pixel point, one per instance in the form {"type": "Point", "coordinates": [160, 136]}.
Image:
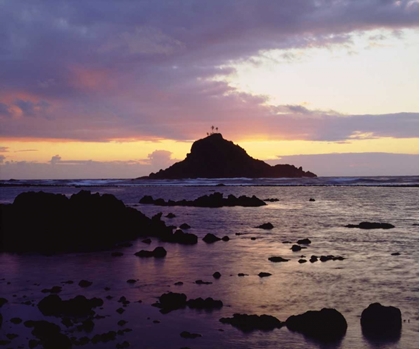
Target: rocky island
{"type": "Point", "coordinates": [216, 157]}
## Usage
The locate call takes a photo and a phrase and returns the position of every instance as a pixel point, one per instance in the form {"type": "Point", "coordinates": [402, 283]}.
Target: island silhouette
{"type": "Point", "coordinates": [216, 157]}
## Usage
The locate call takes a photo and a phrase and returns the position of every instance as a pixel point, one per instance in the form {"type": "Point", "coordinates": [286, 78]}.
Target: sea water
{"type": "Point", "coordinates": [368, 274]}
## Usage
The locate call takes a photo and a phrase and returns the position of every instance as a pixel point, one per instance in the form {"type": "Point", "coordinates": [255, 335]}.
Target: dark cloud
{"type": "Point", "coordinates": [102, 69]}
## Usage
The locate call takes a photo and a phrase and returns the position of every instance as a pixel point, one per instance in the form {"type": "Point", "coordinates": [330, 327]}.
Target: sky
{"type": "Point", "coordinates": [119, 89]}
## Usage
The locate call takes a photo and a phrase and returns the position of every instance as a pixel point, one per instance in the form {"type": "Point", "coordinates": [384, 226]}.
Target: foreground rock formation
{"type": "Point", "coordinates": [49, 223]}
{"type": "Point", "coordinates": [215, 157]}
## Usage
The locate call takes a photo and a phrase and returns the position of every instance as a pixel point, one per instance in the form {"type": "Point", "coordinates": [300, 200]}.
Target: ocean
{"type": "Point", "coordinates": [370, 271]}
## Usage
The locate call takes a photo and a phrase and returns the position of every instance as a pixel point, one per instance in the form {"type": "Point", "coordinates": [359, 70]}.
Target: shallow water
{"type": "Point", "coordinates": [368, 274]}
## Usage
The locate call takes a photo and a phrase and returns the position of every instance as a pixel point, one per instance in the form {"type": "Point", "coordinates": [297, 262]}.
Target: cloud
{"type": "Point", "coordinates": [102, 70]}
{"type": "Point", "coordinates": [4, 149]}
{"type": "Point", "coordinates": [55, 159]}
{"type": "Point", "coordinates": [2, 158]}
{"type": "Point", "coordinates": [160, 159]}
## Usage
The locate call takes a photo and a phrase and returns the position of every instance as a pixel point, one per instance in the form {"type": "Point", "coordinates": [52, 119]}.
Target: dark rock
{"type": "Point", "coordinates": [266, 226]}
{"type": "Point", "coordinates": [131, 281]}
{"type": "Point", "coordinates": [248, 323]}
{"type": "Point", "coordinates": [242, 274]}
{"type": "Point", "coordinates": [171, 301]}
{"type": "Point", "coordinates": [379, 321]}
{"type": "Point", "coordinates": [170, 215]}
{"type": "Point", "coordinates": [395, 254]}
{"type": "Point", "coordinates": [277, 259]}
{"type": "Point", "coordinates": [50, 335]}
{"type": "Point", "coordinates": [121, 323]}
{"type": "Point", "coordinates": [210, 238]}
{"type": "Point", "coordinates": [213, 200]}
{"type": "Point", "coordinates": [77, 306]}
{"type": "Point", "coordinates": [85, 283]}
{"type": "Point", "coordinates": [117, 254]}
{"type": "Point", "coordinates": [296, 248]}
{"type": "Point", "coordinates": [180, 237]}
{"type": "Point", "coordinates": [215, 157]}
{"type": "Point", "coordinates": [302, 261]}
{"type": "Point", "coordinates": [158, 252]}
{"type": "Point", "coordinates": [179, 283]}
{"type": "Point", "coordinates": [253, 238]}
{"type": "Point", "coordinates": [313, 259]}
{"type": "Point", "coordinates": [33, 343]}
{"type": "Point", "coordinates": [54, 289]}
{"type": "Point", "coordinates": [186, 334]}
{"type": "Point", "coordinates": [201, 282]}
{"type": "Point", "coordinates": [4, 342]}
{"type": "Point", "coordinates": [324, 325]}
{"type": "Point", "coordinates": [86, 222]}
{"type": "Point", "coordinates": [120, 310]}
{"type": "Point", "coordinates": [86, 326]}
{"type": "Point", "coordinates": [271, 200]}
{"type": "Point", "coordinates": [184, 226]}
{"type": "Point", "coordinates": [225, 238]}
{"type": "Point", "coordinates": [147, 241]}
{"type": "Point", "coordinates": [208, 303]}
{"type": "Point", "coordinates": [304, 241]}
{"type": "Point", "coordinates": [68, 282]}
{"type": "Point", "coordinates": [123, 345]}
{"type": "Point", "coordinates": [12, 336]}
{"type": "Point", "coordinates": [217, 275]}
{"type": "Point", "coordinates": [311, 199]}
{"type": "Point", "coordinates": [3, 301]}
{"type": "Point", "coordinates": [104, 337]}
{"type": "Point", "coordinates": [286, 242]}
{"type": "Point", "coordinates": [263, 274]}
{"type": "Point", "coordinates": [16, 320]}
{"type": "Point", "coordinates": [371, 225]}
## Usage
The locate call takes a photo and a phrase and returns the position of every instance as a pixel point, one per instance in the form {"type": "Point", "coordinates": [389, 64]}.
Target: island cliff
{"type": "Point", "coordinates": [216, 157]}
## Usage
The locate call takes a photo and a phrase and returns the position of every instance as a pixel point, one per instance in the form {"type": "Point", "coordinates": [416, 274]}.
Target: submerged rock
{"type": "Point", "coordinates": [379, 321]}
{"type": "Point", "coordinates": [158, 252]}
{"type": "Point", "coordinates": [277, 259]}
{"type": "Point", "coordinates": [208, 303]}
{"type": "Point", "coordinates": [305, 241]}
{"type": "Point", "coordinates": [217, 275]}
{"type": "Point", "coordinates": [210, 238]}
{"type": "Point", "coordinates": [266, 226]}
{"type": "Point", "coordinates": [248, 323]}
{"type": "Point", "coordinates": [186, 334]}
{"type": "Point", "coordinates": [77, 306]}
{"type": "Point", "coordinates": [324, 325]}
{"type": "Point", "coordinates": [171, 301]}
{"type": "Point", "coordinates": [264, 274]}
{"type": "Point", "coordinates": [371, 225]}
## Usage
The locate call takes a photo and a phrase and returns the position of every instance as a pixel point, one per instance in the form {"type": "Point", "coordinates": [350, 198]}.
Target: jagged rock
{"type": "Point", "coordinates": [324, 325]}
{"type": "Point", "coordinates": [158, 252]}
{"type": "Point", "coordinates": [277, 259]}
{"type": "Point", "coordinates": [379, 321]}
{"type": "Point", "coordinates": [266, 226]}
{"type": "Point", "coordinates": [208, 303]}
{"type": "Point", "coordinates": [215, 157]}
{"type": "Point", "coordinates": [210, 238]}
{"type": "Point", "coordinates": [201, 282]}
{"type": "Point", "coordinates": [213, 200]}
{"type": "Point", "coordinates": [77, 306]}
{"type": "Point", "coordinates": [85, 283]}
{"type": "Point", "coordinates": [371, 225]}
{"type": "Point", "coordinates": [180, 237]}
{"type": "Point", "coordinates": [305, 241]}
{"type": "Point", "coordinates": [171, 301]}
{"type": "Point", "coordinates": [248, 323]}
{"type": "Point", "coordinates": [186, 334]}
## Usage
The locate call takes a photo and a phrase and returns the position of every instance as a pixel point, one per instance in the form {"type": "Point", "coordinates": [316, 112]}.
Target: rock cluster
{"type": "Point", "coordinates": [213, 200]}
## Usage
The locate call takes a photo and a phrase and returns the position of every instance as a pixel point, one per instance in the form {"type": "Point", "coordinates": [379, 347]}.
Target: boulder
{"type": "Point", "coordinates": [171, 301]}
{"type": "Point", "coordinates": [296, 248]}
{"type": "Point", "coordinates": [304, 241]}
{"type": "Point", "coordinates": [158, 252]}
{"type": "Point", "coordinates": [380, 321]}
{"type": "Point", "coordinates": [248, 323]}
{"type": "Point", "coordinates": [324, 325]}
{"type": "Point", "coordinates": [217, 275]}
{"type": "Point", "coordinates": [266, 226]}
{"type": "Point", "coordinates": [77, 306]}
{"type": "Point", "coordinates": [85, 283]}
{"type": "Point", "coordinates": [210, 238]}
